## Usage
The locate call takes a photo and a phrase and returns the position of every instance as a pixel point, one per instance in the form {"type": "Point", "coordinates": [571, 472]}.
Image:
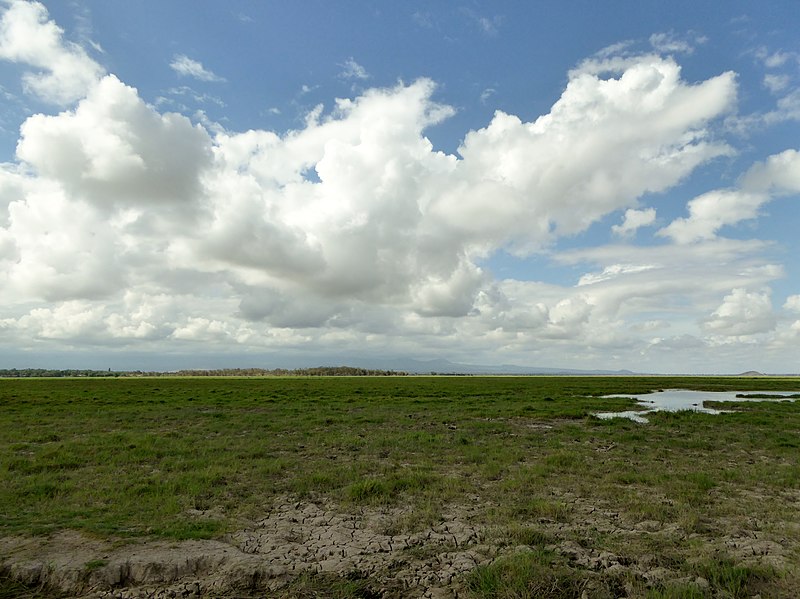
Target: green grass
{"type": "Point", "coordinates": [526, 575]}
{"type": "Point", "coordinates": [134, 457]}
{"type": "Point", "coordinates": [518, 534]}
{"type": "Point", "coordinates": [131, 456]}
{"type": "Point", "coordinates": [678, 591]}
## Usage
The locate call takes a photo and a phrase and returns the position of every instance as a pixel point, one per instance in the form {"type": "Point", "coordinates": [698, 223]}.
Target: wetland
{"type": "Point", "coordinates": [396, 487]}
{"type": "Point", "coordinates": [677, 400]}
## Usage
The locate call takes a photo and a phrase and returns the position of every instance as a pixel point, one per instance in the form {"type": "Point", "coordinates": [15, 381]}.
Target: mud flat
{"type": "Point", "coordinates": [294, 539]}
{"type": "Point", "coordinates": [303, 544]}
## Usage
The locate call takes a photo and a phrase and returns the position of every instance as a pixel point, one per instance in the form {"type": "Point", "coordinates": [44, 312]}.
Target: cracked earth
{"type": "Point", "coordinates": [307, 538]}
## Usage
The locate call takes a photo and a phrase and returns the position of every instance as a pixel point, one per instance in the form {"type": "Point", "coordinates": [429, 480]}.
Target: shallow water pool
{"type": "Point", "coordinates": [674, 400]}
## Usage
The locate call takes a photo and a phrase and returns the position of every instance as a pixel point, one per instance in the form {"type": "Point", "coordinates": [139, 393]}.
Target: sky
{"type": "Point", "coordinates": [588, 185]}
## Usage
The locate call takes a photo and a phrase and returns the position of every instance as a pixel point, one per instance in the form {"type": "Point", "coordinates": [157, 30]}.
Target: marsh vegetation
{"type": "Point", "coordinates": [544, 498]}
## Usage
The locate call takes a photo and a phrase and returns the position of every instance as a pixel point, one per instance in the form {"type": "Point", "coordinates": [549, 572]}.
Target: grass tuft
{"type": "Point", "coordinates": [525, 575]}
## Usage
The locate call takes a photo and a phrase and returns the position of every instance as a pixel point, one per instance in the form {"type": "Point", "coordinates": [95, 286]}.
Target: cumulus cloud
{"type": "Point", "coordinates": [114, 149]}
{"type": "Point", "coordinates": [123, 224]}
{"type": "Point", "coordinates": [386, 219]}
{"type": "Point", "coordinates": [792, 303]}
{"type": "Point", "coordinates": [27, 36]}
{"type": "Point", "coordinates": [63, 249]}
{"type": "Point", "coordinates": [606, 141]}
{"type": "Point", "coordinates": [778, 175]}
{"type": "Point", "coordinates": [711, 211]}
{"type": "Point", "coordinates": [187, 67]}
{"type": "Point", "coordinates": [633, 221]}
{"type": "Point", "coordinates": [68, 321]}
{"type": "Point", "coordinates": [742, 312]}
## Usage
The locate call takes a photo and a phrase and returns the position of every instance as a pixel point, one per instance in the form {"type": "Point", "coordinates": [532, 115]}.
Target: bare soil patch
{"type": "Point", "coordinates": [307, 540]}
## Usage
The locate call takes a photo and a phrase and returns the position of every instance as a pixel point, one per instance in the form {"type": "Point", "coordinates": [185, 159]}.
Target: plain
{"type": "Point", "coordinates": [690, 505]}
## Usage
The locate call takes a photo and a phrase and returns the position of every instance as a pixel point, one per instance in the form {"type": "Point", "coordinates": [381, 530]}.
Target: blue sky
{"type": "Point", "coordinates": [578, 185]}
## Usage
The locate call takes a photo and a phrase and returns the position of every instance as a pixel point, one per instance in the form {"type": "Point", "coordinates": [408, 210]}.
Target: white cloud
{"type": "Point", "coordinates": [489, 26]}
{"type": "Point", "coordinates": [115, 150]}
{"type": "Point", "coordinates": [711, 211]}
{"type": "Point", "coordinates": [487, 93]}
{"type": "Point", "coordinates": [662, 283]}
{"type": "Point", "coordinates": [671, 43]}
{"type": "Point", "coordinates": [605, 142]}
{"type": "Point", "coordinates": [774, 60]}
{"type": "Point", "coordinates": [423, 19]}
{"type": "Point", "coordinates": [187, 67]}
{"type": "Point", "coordinates": [776, 83]}
{"type": "Point", "coordinates": [633, 221]}
{"type": "Point", "coordinates": [121, 224]}
{"type": "Point", "coordinates": [64, 250]}
{"type": "Point", "coordinates": [742, 313]}
{"type": "Point", "coordinates": [203, 329]}
{"type": "Point", "coordinates": [651, 325]}
{"type": "Point", "coordinates": [617, 49]}
{"type": "Point", "coordinates": [68, 321]}
{"type": "Point", "coordinates": [352, 70]}
{"type": "Point", "coordinates": [613, 271]}
{"type": "Point", "coordinates": [266, 226]}
{"type": "Point", "coordinates": [788, 108]}
{"type": "Point", "coordinates": [792, 303]}
{"type": "Point", "coordinates": [184, 91]}
{"type": "Point", "coordinates": [778, 175]}
{"type": "Point", "coordinates": [27, 36]}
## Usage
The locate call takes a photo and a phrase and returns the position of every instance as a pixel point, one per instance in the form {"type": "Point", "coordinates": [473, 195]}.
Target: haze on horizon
{"type": "Point", "coordinates": [277, 185]}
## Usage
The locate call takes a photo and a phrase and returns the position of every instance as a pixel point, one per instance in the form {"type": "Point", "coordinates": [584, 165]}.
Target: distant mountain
{"type": "Point", "coordinates": [441, 366]}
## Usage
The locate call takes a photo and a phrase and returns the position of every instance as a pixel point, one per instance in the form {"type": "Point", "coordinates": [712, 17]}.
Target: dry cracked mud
{"type": "Point", "coordinates": [292, 539]}
{"type": "Point", "coordinates": [297, 538]}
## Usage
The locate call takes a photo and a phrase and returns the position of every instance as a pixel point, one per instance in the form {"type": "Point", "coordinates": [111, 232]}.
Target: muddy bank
{"type": "Point", "coordinates": [307, 538]}
{"type": "Point", "coordinates": [295, 538]}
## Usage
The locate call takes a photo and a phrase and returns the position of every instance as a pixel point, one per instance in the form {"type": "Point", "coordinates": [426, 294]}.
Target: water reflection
{"type": "Point", "coordinates": [675, 400]}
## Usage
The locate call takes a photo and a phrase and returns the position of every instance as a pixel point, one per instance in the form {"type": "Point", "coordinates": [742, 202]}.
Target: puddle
{"type": "Point", "coordinates": [675, 400]}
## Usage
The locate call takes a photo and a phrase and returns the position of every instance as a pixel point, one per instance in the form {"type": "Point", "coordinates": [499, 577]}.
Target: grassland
{"type": "Point", "coordinates": [690, 505]}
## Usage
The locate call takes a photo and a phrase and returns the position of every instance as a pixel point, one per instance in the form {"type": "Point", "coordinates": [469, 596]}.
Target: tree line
{"type": "Point", "coordinates": [55, 373]}
{"type": "Point", "coordinates": [252, 372]}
